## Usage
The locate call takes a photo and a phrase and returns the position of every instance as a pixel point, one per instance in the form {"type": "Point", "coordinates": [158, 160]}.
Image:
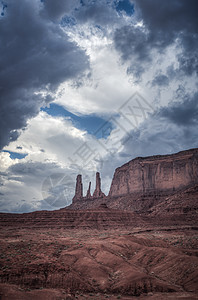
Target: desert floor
{"type": "Point", "coordinates": [158, 263]}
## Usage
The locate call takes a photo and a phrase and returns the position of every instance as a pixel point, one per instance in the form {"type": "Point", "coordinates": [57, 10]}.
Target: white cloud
{"type": "Point", "coordinates": [48, 138]}
{"type": "Point", "coordinates": [55, 146]}
{"type": "Point", "coordinates": [6, 161]}
{"type": "Point", "coordinates": [51, 144]}
{"type": "Point", "coordinates": [112, 81]}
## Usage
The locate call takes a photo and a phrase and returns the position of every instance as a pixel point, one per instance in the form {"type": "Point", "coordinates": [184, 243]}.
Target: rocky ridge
{"type": "Point", "coordinates": [145, 182]}
{"type": "Point", "coordinates": [100, 218]}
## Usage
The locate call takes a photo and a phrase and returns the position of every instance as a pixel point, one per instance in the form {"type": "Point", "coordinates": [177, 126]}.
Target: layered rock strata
{"type": "Point", "coordinates": [99, 218]}
{"type": "Point", "coordinates": [158, 174]}
{"type": "Point", "coordinates": [145, 182]}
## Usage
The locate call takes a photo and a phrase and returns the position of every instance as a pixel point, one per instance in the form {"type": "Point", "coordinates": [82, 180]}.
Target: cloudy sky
{"type": "Point", "coordinates": [88, 85]}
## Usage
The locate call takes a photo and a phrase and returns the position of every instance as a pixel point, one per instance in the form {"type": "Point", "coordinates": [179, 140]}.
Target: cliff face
{"type": "Point", "coordinates": [143, 183]}
{"type": "Point", "coordinates": [165, 173]}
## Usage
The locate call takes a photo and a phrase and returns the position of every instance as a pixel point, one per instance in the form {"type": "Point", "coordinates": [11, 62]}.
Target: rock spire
{"type": "Point", "coordinates": [98, 193]}
{"type": "Point", "coordinates": [79, 188]}
{"type": "Point", "coordinates": [88, 196]}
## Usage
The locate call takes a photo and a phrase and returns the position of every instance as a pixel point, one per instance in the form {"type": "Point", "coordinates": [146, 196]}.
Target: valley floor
{"type": "Point", "coordinates": [149, 263]}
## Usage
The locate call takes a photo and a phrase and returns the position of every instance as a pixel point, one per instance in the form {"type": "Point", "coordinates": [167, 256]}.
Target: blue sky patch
{"type": "Point", "coordinates": [90, 123]}
{"type": "Point", "coordinates": [14, 155]}
{"type": "Point", "coordinates": [4, 6]}
{"type": "Point", "coordinates": [126, 6]}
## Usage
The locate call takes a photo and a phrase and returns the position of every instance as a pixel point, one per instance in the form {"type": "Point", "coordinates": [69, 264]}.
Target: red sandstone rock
{"type": "Point", "coordinates": [99, 218]}
{"type": "Point", "coordinates": [79, 188]}
{"type": "Point", "coordinates": [88, 196]}
{"type": "Point", "coordinates": [161, 173]}
{"type": "Point", "coordinates": [153, 253]}
{"type": "Point", "coordinates": [98, 264]}
{"type": "Point", "coordinates": [143, 183]}
{"type": "Point", "coordinates": [98, 193]}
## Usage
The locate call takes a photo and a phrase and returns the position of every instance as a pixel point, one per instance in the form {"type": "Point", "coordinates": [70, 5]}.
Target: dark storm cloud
{"type": "Point", "coordinates": [35, 55]}
{"type": "Point", "coordinates": [136, 70]}
{"type": "Point", "coordinates": [169, 16]}
{"type": "Point", "coordinates": [160, 80]}
{"type": "Point", "coordinates": [54, 187]}
{"type": "Point", "coordinates": [57, 9]}
{"type": "Point", "coordinates": [186, 113]}
{"type": "Point", "coordinates": [174, 19]}
{"type": "Point", "coordinates": [135, 45]}
{"type": "Point", "coordinates": [188, 61]}
{"type": "Point", "coordinates": [96, 12]}
{"type": "Point", "coordinates": [168, 130]}
{"type": "Point", "coordinates": [32, 168]}
{"type": "Point", "coordinates": [132, 41]}
{"type": "Point", "coordinates": [164, 23]}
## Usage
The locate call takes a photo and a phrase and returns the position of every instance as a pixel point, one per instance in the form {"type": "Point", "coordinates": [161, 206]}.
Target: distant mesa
{"type": "Point", "coordinates": [158, 174]}
{"type": "Point", "coordinates": [142, 182]}
{"type": "Point", "coordinates": [161, 189]}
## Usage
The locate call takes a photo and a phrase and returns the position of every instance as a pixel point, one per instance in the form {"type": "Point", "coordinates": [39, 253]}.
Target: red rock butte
{"type": "Point", "coordinates": [139, 241]}
{"type": "Point", "coordinates": [143, 182]}
{"type": "Point", "coordinates": [156, 173]}
{"type": "Point", "coordinates": [79, 189]}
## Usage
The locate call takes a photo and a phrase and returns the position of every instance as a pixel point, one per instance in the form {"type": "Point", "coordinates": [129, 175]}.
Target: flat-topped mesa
{"type": "Point", "coordinates": [79, 189]}
{"type": "Point", "coordinates": [98, 193]}
{"type": "Point", "coordinates": [88, 196]}
{"type": "Point", "coordinates": [143, 182]}
{"type": "Point", "coordinates": [158, 174]}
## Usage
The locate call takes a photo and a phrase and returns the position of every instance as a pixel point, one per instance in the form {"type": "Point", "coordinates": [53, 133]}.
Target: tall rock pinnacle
{"type": "Point", "coordinates": [98, 193]}
{"type": "Point", "coordinates": [88, 196]}
{"type": "Point", "coordinates": [79, 188]}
